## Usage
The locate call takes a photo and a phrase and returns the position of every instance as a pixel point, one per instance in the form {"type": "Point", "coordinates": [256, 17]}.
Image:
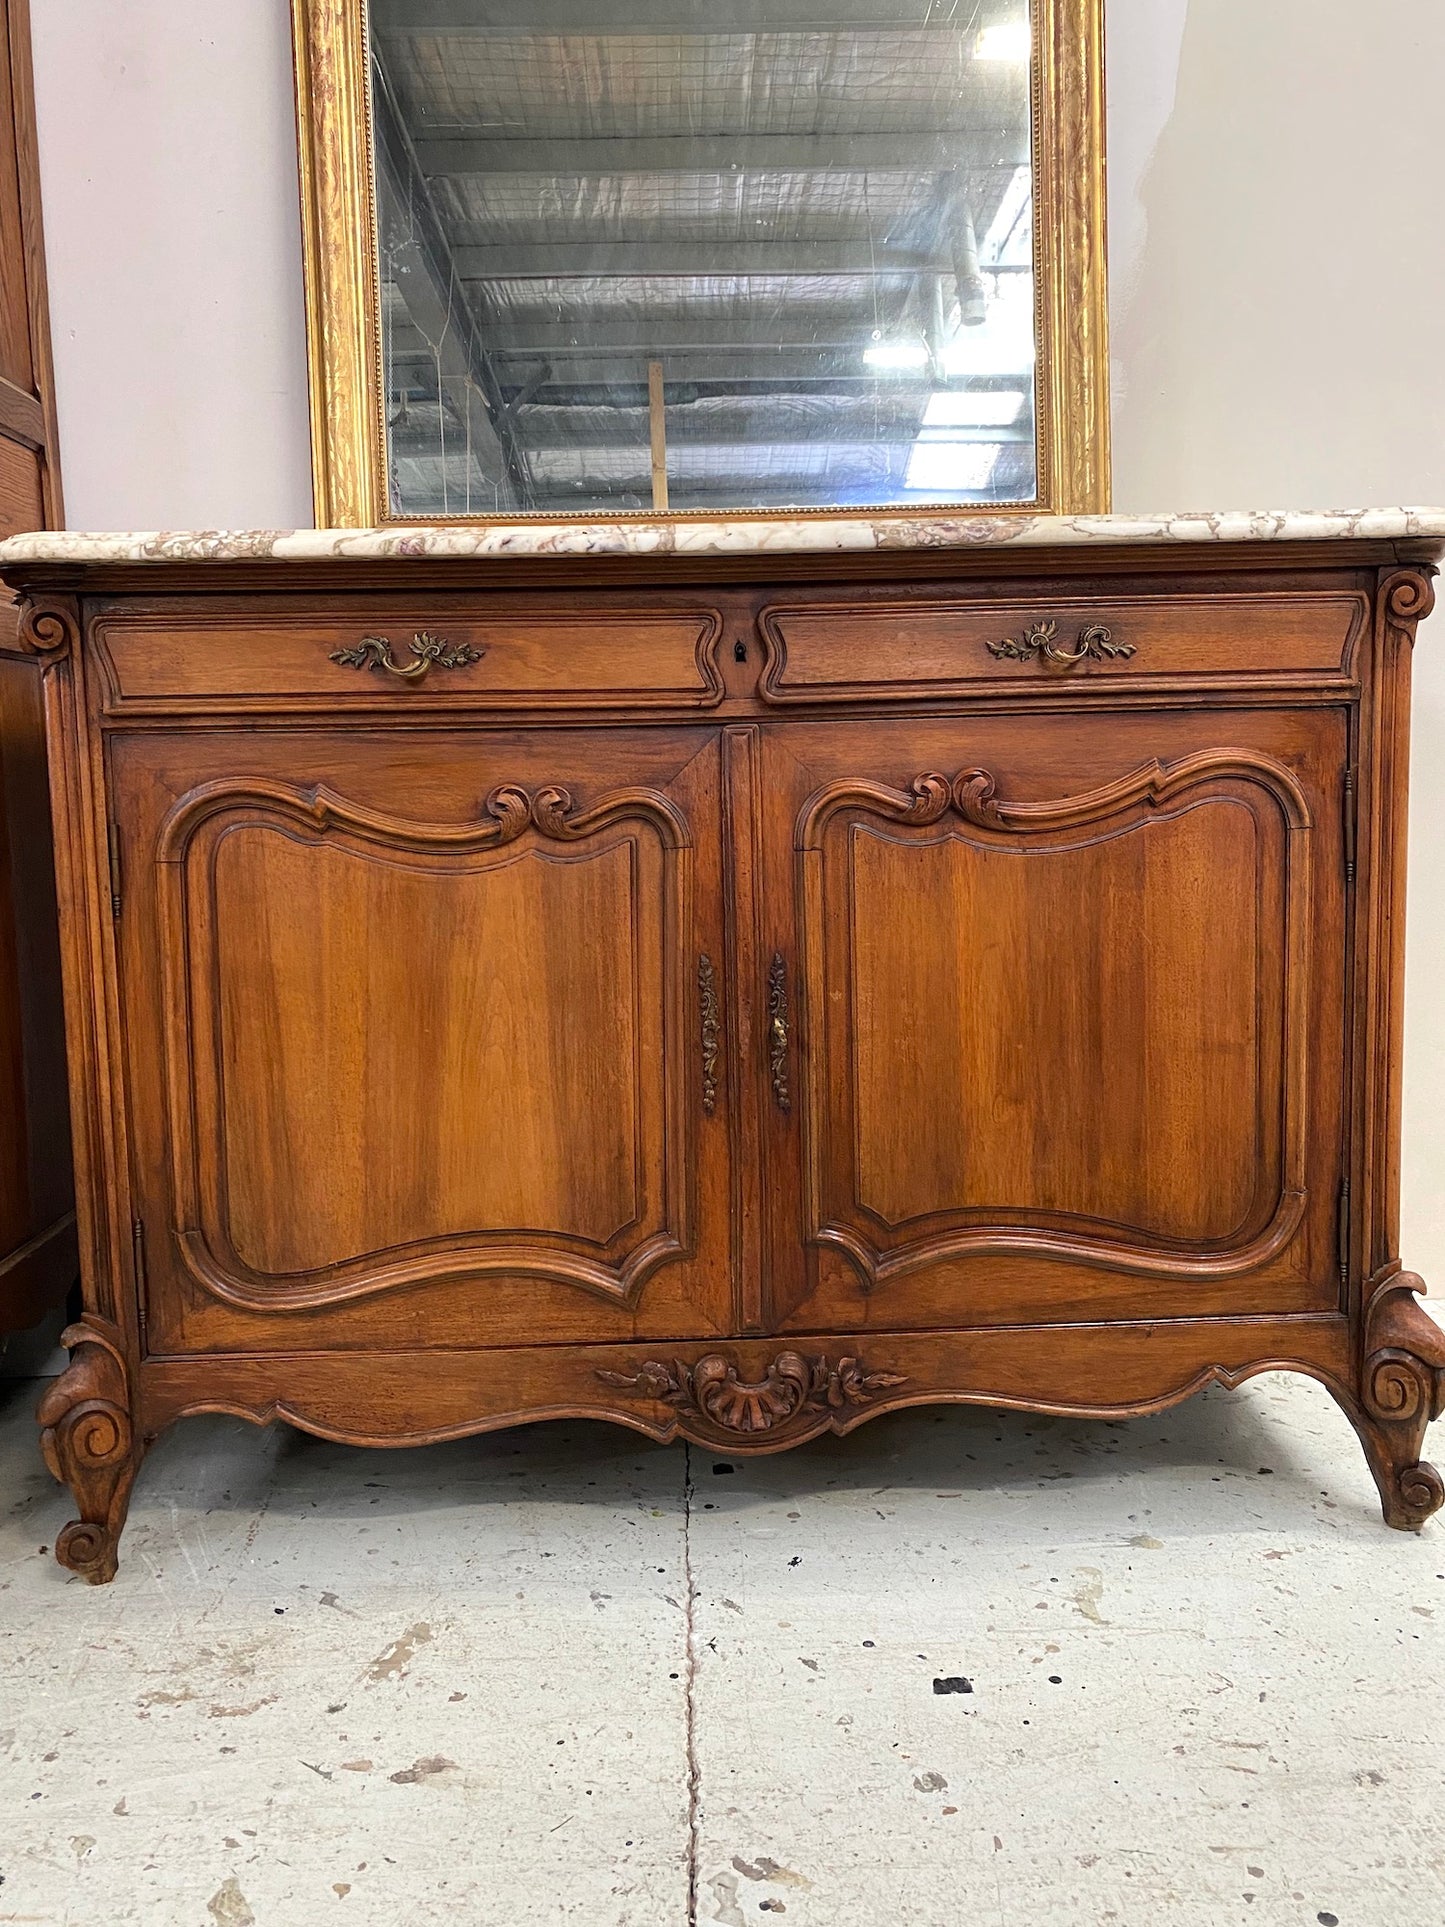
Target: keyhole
{"type": "Point", "coordinates": [740, 652]}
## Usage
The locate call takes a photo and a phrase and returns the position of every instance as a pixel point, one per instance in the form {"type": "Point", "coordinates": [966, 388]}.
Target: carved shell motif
{"type": "Point", "coordinates": [714, 1390]}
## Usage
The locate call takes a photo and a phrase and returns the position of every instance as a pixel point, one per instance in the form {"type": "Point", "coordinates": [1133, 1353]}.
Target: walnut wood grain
{"type": "Point", "coordinates": [829, 652]}
{"type": "Point", "coordinates": [526, 1082]}
{"type": "Point", "coordinates": [722, 1068]}
{"type": "Point", "coordinates": [415, 1397]}
{"type": "Point", "coordinates": [37, 1222]}
{"type": "Point", "coordinates": [529, 655]}
{"type": "Point", "coordinates": [1402, 1390]}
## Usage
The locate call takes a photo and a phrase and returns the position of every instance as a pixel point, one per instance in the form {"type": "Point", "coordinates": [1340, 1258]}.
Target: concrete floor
{"type": "Point", "coordinates": [563, 1675]}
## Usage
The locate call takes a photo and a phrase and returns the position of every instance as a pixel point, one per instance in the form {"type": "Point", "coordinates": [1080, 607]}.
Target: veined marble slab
{"type": "Point", "coordinates": [796, 535]}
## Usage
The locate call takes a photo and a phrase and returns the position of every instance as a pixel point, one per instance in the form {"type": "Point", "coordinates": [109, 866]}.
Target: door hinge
{"type": "Point", "coordinates": [113, 842]}
{"type": "Point", "coordinates": [138, 1261]}
{"type": "Point", "coordinates": [1344, 1231]}
{"type": "Point", "coordinates": [1351, 820]}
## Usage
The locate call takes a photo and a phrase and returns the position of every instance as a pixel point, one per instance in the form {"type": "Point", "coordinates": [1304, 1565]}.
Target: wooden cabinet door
{"type": "Point", "coordinates": [1065, 1012]}
{"type": "Point", "coordinates": [38, 1259]}
{"type": "Point", "coordinates": [415, 1044]}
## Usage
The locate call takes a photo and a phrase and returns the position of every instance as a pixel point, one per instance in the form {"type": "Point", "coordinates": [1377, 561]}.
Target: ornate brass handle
{"type": "Point", "coordinates": [374, 652]}
{"type": "Point", "coordinates": [1040, 640]}
{"type": "Point", "coordinates": [778, 1031]}
{"type": "Point", "coordinates": [710, 1023]}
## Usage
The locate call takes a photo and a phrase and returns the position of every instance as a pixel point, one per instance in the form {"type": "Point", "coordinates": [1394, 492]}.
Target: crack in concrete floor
{"type": "Point", "coordinates": [694, 1776]}
{"type": "Point", "coordinates": [961, 1667]}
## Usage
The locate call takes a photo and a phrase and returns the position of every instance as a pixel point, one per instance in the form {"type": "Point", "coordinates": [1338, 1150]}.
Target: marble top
{"type": "Point", "coordinates": [795, 535]}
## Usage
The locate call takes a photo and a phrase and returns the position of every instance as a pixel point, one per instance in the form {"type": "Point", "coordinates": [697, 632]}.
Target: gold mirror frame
{"type": "Point", "coordinates": [343, 289]}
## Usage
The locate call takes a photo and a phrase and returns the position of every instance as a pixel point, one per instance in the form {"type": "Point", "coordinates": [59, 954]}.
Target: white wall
{"type": "Point", "coordinates": [173, 241]}
{"type": "Point", "coordinates": [1278, 293]}
{"type": "Point", "coordinates": [1278, 300]}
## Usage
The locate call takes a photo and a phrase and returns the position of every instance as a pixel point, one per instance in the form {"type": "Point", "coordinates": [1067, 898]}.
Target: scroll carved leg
{"type": "Point", "coordinates": [89, 1444]}
{"type": "Point", "coordinates": [1402, 1389]}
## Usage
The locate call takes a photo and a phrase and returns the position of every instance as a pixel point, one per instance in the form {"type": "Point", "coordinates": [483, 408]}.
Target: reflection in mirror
{"type": "Point", "coordinates": [704, 254]}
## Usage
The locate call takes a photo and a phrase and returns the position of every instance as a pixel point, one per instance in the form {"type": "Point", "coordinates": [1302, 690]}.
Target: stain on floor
{"type": "Point", "coordinates": [395, 1662]}
{"type": "Point", "coordinates": [536, 1678]}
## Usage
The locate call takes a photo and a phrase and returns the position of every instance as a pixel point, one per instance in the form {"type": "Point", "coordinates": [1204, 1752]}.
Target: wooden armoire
{"type": "Point", "coordinates": [37, 1219]}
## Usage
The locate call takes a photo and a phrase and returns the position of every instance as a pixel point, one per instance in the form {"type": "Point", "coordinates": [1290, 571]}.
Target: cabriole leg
{"type": "Point", "coordinates": [89, 1444]}
{"type": "Point", "coordinates": [1402, 1389]}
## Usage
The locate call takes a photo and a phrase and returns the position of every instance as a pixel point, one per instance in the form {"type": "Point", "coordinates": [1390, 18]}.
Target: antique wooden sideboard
{"type": "Point", "coordinates": [731, 979]}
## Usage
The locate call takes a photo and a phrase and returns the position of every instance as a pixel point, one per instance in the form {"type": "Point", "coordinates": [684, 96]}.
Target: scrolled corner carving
{"type": "Point", "coordinates": [1404, 1375]}
{"type": "Point", "coordinates": [714, 1392]}
{"type": "Point", "coordinates": [973, 798]}
{"type": "Point", "coordinates": [1402, 1390]}
{"type": "Point", "coordinates": [49, 626]}
{"type": "Point", "coordinates": [973, 794]}
{"type": "Point", "coordinates": [1409, 596]}
{"type": "Point", "coordinates": [929, 799]}
{"type": "Point", "coordinates": [510, 809]}
{"type": "Point", "coordinates": [88, 1443]}
{"type": "Point", "coordinates": [1400, 1386]}
{"type": "Point", "coordinates": [1421, 1492]}
{"type": "Point", "coordinates": [552, 812]}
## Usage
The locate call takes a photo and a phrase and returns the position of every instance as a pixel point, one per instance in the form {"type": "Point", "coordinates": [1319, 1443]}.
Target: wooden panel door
{"type": "Point", "coordinates": [1066, 1017]}
{"type": "Point", "coordinates": [38, 1256]}
{"type": "Point", "coordinates": [416, 1030]}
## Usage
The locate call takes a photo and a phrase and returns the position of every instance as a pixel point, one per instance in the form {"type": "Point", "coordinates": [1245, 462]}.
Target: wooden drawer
{"type": "Point", "coordinates": [490, 654]}
{"type": "Point", "coordinates": [822, 652]}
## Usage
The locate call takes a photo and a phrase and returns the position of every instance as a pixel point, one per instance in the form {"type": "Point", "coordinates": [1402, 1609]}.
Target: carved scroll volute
{"type": "Point", "coordinates": [973, 798]}
{"type": "Point", "coordinates": [511, 810]}
{"type": "Point", "coordinates": [1408, 597]}
{"type": "Point", "coordinates": [552, 813]}
{"type": "Point", "coordinates": [1405, 1355]}
{"type": "Point", "coordinates": [88, 1442]}
{"type": "Point", "coordinates": [1403, 1391]}
{"type": "Point", "coordinates": [49, 626]}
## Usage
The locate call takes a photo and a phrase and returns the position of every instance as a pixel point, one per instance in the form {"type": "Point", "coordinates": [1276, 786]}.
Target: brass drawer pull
{"type": "Point", "coordinates": [374, 652]}
{"type": "Point", "coordinates": [1096, 643]}
{"type": "Point", "coordinates": [778, 1031]}
{"type": "Point", "coordinates": [711, 1028]}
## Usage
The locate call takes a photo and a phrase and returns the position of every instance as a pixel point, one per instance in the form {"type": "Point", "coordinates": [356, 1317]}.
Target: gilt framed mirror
{"type": "Point", "coordinates": [612, 259]}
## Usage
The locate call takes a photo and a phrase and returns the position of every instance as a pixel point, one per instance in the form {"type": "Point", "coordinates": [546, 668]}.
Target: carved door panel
{"type": "Point", "coordinates": [422, 1051]}
{"type": "Point", "coordinates": [1066, 1017]}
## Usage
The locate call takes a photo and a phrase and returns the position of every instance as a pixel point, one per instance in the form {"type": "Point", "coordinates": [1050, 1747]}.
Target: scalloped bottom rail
{"type": "Point", "coordinates": [747, 1395]}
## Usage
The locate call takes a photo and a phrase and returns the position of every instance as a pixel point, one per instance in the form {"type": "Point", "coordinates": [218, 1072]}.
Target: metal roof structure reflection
{"type": "Point", "coordinates": [811, 219]}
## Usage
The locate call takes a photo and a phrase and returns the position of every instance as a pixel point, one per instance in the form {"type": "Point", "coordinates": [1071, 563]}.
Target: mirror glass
{"type": "Point", "coordinates": [704, 254]}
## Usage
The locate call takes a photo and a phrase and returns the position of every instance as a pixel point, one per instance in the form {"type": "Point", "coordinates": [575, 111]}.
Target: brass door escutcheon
{"type": "Point", "coordinates": [711, 1028]}
{"type": "Point", "coordinates": [778, 1031]}
{"type": "Point", "coordinates": [374, 652]}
